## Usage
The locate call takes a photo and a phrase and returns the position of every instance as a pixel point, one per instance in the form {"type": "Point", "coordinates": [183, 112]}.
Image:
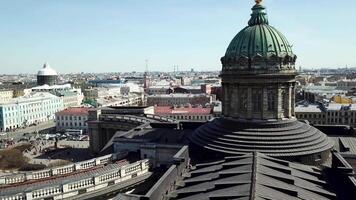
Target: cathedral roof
{"type": "Point", "coordinates": [259, 41]}
{"type": "Point", "coordinates": [289, 138]}
{"type": "Point", "coordinates": [253, 176]}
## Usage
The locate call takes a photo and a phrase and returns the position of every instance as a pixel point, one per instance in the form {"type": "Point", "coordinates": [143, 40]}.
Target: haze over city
{"type": "Point", "coordinates": [115, 36]}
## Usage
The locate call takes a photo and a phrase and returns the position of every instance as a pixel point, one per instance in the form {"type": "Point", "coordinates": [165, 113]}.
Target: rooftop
{"type": "Point", "coordinates": [35, 96]}
{"type": "Point", "coordinates": [323, 89]}
{"type": "Point", "coordinates": [74, 111]}
{"type": "Point", "coordinates": [177, 95]}
{"type": "Point", "coordinates": [307, 108]}
{"type": "Point", "coordinates": [52, 87]}
{"type": "Point", "coordinates": [253, 176]}
{"type": "Point", "coordinates": [156, 135]}
{"type": "Point", "coordinates": [340, 142]}
{"type": "Point", "coordinates": [161, 110]}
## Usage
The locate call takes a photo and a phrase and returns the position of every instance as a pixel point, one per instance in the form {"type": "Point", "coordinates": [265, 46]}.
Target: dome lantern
{"type": "Point", "coordinates": [258, 16]}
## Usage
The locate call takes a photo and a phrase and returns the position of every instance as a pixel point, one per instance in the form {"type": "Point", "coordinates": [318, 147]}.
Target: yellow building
{"type": "Point", "coordinates": [341, 99]}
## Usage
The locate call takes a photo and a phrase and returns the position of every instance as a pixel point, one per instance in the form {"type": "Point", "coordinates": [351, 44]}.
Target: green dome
{"type": "Point", "coordinates": [259, 39]}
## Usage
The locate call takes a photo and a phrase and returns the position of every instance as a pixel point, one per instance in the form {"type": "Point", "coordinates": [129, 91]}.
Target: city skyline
{"type": "Point", "coordinates": [136, 100]}
{"type": "Point", "coordinates": [118, 36]}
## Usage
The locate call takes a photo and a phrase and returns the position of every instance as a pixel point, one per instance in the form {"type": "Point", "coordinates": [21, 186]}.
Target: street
{"type": "Point", "coordinates": [16, 135]}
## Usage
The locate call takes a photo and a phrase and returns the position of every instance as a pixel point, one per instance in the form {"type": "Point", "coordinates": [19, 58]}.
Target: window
{"type": "Point", "coordinates": [270, 100]}
{"type": "Point", "coordinates": [257, 100]}
{"type": "Point", "coordinates": [284, 99]}
{"type": "Point", "coordinates": [243, 99]}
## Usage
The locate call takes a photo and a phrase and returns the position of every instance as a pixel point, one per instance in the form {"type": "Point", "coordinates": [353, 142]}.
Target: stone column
{"type": "Point", "coordinates": [279, 100]}
{"type": "Point", "coordinates": [289, 101]}
{"type": "Point", "coordinates": [293, 100]}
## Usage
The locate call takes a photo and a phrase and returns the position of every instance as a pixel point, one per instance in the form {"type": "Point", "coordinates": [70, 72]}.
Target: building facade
{"type": "Point", "coordinates": [6, 95]}
{"type": "Point", "coordinates": [158, 89]}
{"type": "Point", "coordinates": [101, 92]}
{"type": "Point", "coordinates": [187, 113]}
{"type": "Point", "coordinates": [27, 110]}
{"type": "Point", "coordinates": [331, 114]}
{"type": "Point", "coordinates": [70, 98]}
{"type": "Point", "coordinates": [72, 118]}
{"type": "Point", "coordinates": [179, 99]}
{"type": "Point", "coordinates": [122, 100]}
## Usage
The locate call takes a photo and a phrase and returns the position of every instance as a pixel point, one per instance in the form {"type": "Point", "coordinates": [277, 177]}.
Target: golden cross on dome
{"type": "Point", "coordinates": [258, 2]}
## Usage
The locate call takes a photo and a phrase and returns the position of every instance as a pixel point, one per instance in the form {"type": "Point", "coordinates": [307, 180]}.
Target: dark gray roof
{"type": "Point", "coordinates": [155, 135]}
{"type": "Point", "coordinates": [288, 138]}
{"type": "Point", "coordinates": [344, 144]}
{"type": "Point", "coordinates": [253, 176]}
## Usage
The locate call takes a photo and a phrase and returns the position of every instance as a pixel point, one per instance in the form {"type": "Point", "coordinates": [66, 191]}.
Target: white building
{"type": "Point", "coordinates": [124, 100]}
{"type": "Point", "coordinates": [72, 118]}
{"type": "Point", "coordinates": [101, 92]}
{"type": "Point", "coordinates": [30, 109]}
{"type": "Point", "coordinates": [72, 97]}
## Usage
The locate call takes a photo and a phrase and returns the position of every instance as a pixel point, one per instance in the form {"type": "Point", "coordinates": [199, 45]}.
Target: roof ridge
{"type": "Point", "coordinates": [253, 176]}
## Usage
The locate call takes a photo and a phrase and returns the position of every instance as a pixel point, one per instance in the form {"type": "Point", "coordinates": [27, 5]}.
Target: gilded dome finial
{"type": "Point", "coordinates": [258, 2]}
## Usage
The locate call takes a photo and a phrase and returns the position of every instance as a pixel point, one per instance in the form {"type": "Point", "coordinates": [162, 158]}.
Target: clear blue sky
{"type": "Point", "coordinates": [118, 35]}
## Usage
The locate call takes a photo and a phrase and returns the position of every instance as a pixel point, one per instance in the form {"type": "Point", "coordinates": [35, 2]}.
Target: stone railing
{"type": "Point", "coordinates": [67, 169]}
{"type": "Point", "coordinates": [109, 176]}
{"type": "Point", "coordinates": [161, 118]}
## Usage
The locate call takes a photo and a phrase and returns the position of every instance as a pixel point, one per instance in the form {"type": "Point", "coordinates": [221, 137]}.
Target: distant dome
{"type": "Point", "coordinates": [47, 71]}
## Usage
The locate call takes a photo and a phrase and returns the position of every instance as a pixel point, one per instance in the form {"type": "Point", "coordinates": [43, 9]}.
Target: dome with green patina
{"type": "Point", "coordinates": [259, 42]}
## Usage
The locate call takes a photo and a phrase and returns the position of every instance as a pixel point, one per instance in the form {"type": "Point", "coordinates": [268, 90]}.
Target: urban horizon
{"type": "Point", "coordinates": [252, 124]}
